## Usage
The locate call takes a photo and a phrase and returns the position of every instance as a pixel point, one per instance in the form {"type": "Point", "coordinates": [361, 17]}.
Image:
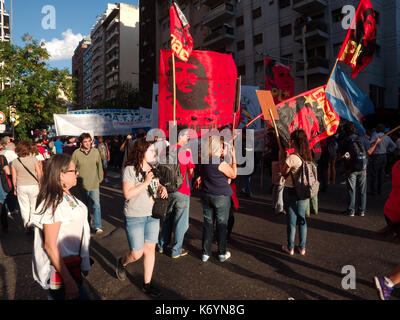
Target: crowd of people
{"type": "Point", "coordinates": [55, 185]}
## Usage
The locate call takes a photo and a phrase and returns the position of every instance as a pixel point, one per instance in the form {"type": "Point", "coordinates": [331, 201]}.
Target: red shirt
{"type": "Point", "coordinates": [185, 163]}
{"type": "Point", "coordinates": [392, 205]}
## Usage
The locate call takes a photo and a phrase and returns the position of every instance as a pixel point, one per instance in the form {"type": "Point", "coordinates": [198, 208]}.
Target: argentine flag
{"type": "Point", "coordinates": [348, 100]}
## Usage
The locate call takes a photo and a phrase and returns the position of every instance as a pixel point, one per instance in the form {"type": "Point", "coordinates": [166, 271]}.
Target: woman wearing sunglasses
{"type": "Point", "coordinates": [63, 231]}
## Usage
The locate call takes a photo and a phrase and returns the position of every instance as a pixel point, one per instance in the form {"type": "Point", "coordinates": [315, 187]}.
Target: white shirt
{"type": "Point", "coordinates": [9, 154]}
{"type": "Point", "coordinates": [74, 233]}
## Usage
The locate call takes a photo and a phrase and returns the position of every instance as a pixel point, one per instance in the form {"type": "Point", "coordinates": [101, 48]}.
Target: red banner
{"type": "Point", "coordinates": [310, 111]}
{"type": "Point", "coordinates": [181, 40]}
{"type": "Point", "coordinates": [205, 90]}
{"type": "Point", "coordinates": [278, 80]}
{"type": "Point", "coordinates": [359, 45]}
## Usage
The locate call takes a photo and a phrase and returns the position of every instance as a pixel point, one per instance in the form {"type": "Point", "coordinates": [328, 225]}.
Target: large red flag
{"type": "Point", "coordinates": [310, 111]}
{"type": "Point", "coordinates": [278, 80]}
{"type": "Point", "coordinates": [205, 90]}
{"type": "Point", "coordinates": [181, 40]}
{"type": "Point", "coordinates": [359, 45]}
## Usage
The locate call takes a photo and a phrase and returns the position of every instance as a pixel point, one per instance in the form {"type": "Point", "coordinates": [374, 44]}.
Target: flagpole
{"type": "Point", "coordinates": [334, 67]}
{"type": "Point", "coordinates": [174, 81]}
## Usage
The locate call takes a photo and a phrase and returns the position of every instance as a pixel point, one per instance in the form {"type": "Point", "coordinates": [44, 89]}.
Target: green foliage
{"type": "Point", "coordinates": [35, 89]}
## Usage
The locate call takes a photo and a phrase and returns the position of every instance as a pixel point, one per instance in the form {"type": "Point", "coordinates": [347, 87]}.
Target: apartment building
{"type": "Point", "coordinates": [291, 31]}
{"type": "Point", "coordinates": [77, 69]}
{"type": "Point", "coordinates": [5, 32]}
{"type": "Point", "coordinates": [115, 51]}
{"type": "Point", "coordinates": [87, 77]}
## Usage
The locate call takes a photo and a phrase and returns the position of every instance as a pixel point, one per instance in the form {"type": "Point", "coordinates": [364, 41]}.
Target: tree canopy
{"type": "Point", "coordinates": [35, 89]}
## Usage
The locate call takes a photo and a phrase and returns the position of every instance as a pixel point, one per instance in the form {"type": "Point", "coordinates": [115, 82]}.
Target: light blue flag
{"type": "Point", "coordinates": [348, 100]}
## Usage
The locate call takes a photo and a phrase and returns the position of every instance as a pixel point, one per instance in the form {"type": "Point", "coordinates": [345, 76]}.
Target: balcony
{"type": "Point", "coordinates": [316, 65]}
{"type": "Point", "coordinates": [115, 20]}
{"type": "Point", "coordinates": [112, 72]}
{"type": "Point", "coordinates": [109, 36]}
{"type": "Point", "coordinates": [316, 31]}
{"type": "Point", "coordinates": [112, 58]}
{"type": "Point", "coordinates": [309, 6]}
{"type": "Point", "coordinates": [111, 84]}
{"type": "Point", "coordinates": [219, 15]}
{"type": "Point", "coordinates": [212, 3]}
{"type": "Point", "coordinates": [113, 46]}
{"type": "Point", "coordinates": [219, 37]}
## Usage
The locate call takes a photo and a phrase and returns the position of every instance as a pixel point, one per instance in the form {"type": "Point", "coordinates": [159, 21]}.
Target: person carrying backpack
{"type": "Point", "coordinates": [298, 168]}
{"type": "Point", "coordinates": [177, 217]}
{"type": "Point", "coordinates": [353, 150]}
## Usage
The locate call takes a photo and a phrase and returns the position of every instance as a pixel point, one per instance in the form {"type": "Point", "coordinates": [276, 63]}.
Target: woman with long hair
{"type": "Point", "coordinates": [295, 208]}
{"type": "Point", "coordinates": [215, 178]}
{"type": "Point", "coordinates": [138, 186]}
{"type": "Point", "coordinates": [26, 175]}
{"type": "Point", "coordinates": [63, 221]}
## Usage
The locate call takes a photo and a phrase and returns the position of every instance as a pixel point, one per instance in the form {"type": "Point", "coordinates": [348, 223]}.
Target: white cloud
{"type": "Point", "coordinates": [63, 49]}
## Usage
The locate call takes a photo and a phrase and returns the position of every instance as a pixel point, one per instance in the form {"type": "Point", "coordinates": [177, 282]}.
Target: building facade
{"type": "Point", "coordinates": [115, 51]}
{"type": "Point", "coordinates": [87, 77]}
{"type": "Point", "coordinates": [291, 31]}
{"type": "Point", "coordinates": [78, 69]}
{"type": "Point", "coordinates": [5, 32]}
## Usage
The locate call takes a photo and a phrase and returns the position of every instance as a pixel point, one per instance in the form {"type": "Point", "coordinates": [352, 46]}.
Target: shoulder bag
{"type": "Point", "coordinates": [29, 171]}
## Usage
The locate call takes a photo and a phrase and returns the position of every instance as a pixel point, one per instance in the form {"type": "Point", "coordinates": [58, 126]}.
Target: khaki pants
{"type": "Point", "coordinates": [27, 201]}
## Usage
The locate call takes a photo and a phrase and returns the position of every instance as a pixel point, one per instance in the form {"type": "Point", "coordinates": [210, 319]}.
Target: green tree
{"type": "Point", "coordinates": [37, 90]}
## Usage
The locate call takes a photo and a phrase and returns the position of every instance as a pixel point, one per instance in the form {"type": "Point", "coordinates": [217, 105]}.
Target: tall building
{"type": "Point", "coordinates": [4, 23]}
{"type": "Point", "coordinates": [291, 31]}
{"type": "Point", "coordinates": [115, 50]}
{"type": "Point", "coordinates": [87, 77]}
{"type": "Point", "coordinates": [5, 33]}
{"type": "Point", "coordinates": [77, 69]}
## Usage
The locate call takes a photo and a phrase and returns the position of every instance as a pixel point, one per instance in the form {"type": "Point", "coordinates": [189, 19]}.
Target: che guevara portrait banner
{"type": "Point", "coordinates": [205, 90]}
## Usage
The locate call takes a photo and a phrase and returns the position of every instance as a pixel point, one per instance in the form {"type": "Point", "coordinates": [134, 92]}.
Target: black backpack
{"type": "Point", "coordinates": [358, 156]}
{"type": "Point", "coordinates": [169, 174]}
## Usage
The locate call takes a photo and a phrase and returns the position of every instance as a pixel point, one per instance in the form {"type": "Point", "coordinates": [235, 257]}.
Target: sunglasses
{"type": "Point", "coordinates": [76, 171]}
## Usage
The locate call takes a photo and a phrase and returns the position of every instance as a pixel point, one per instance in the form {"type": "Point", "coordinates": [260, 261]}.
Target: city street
{"type": "Point", "coordinates": [257, 270]}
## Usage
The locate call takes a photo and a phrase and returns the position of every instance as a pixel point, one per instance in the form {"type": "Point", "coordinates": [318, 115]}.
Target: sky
{"type": "Point", "coordinates": [73, 20]}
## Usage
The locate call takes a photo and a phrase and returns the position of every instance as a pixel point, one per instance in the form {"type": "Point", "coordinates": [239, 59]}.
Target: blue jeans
{"type": "Point", "coordinates": [217, 206]}
{"type": "Point", "coordinates": [378, 167]}
{"type": "Point", "coordinates": [140, 230]}
{"type": "Point", "coordinates": [356, 183]}
{"type": "Point", "coordinates": [92, 199]}
{"type": "Point", "coordinates": [177, 219]}
{"type": "Point", "coordinates": [296, 214]}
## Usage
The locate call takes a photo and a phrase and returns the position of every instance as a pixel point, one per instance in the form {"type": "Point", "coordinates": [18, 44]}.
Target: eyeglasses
{"type": "Point", "coordinates": [76, 171]}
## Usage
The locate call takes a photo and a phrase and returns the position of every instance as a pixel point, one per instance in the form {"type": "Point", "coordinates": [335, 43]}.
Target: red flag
{"type": "Point", "coordinates": [182, 41]}
{"type": "Point", "coordinates": [278, 80]}
{"type": "Point", "coordinates": [205, 90]}
{"type": "Point", "coordinates": [359, 45]}
{"type": "Point", "coordinates": [310, 111]}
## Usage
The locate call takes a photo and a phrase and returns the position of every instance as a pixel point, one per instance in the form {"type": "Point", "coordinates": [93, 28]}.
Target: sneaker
{"type": "Point", "coordinates": [182, 254]}
{"type": "Point", "coordinates": [99, 231]}
{"type": "Point", "coordinates": [205, 258]}
{"type": "Point", "coordinates": [308, 215]}
{"type": "Point", "coordinates": [384, 291]}
{"type": "Point", "coordinates": [362, 214]}
{"type": "Point", "coordinates": [351, 214]}
{"type": "Point", "coordinates": [224, 257]}
{"type": "Point", "coordinates": [161, 251]}
{"type": "Point", "coordinates": [150, 290]}
{"type": "Point", "coordinates": [287, 250]}
{"type": "Point", "coordinates": [120, 270]}
{"type": "Point", "coordinates": [302, 251]}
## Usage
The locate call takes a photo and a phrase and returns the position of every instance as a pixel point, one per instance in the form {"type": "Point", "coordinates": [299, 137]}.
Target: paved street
{"type": "Point", "coordinates": [258, 270]}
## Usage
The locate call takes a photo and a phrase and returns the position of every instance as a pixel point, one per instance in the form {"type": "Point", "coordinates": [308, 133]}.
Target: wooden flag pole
{"type": "Point", "coordinates": [276, 129]}
{"type": "Point", "coordinates": [262, 157]}
{"type": "Point", "coordinates": [334, 67]}
{"type": "Point", "coordinates": [174, 81]}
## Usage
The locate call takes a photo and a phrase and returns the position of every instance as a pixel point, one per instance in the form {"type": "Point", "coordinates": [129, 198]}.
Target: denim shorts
{"type": "Point", "coordinates": [140, 230]}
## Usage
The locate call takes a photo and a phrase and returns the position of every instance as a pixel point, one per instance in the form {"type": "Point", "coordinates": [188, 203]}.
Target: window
{"type": "Point", "coordinates": [337, 15]}
{"type": "Point", "coordinates": [378, 50]}
{"type": "Point", "coordinates": [257, 39]}
{"type": "Point", "coordinates": [242, 70]}
{"type": "Point", "coordinates": [377, 95]}
{"type": "Point", "coordinates": [259, 66]}
{"type": "Point", "coordinates": [286, 30]}
{"type": "Point", "coordinates": [257, 13]}
{"type": "Point", "coordinates": [239, 21]}
{"type": "Point", "coordinates": [316, 52]}
{"type": "Point", "coordinates": [287, 59]}
{"type": "Point", "coordinates": [377, 17]}
{"type": "Point", "coordinates": [240, 45]}
{"type": "Point", "coordinates": [284, 4]}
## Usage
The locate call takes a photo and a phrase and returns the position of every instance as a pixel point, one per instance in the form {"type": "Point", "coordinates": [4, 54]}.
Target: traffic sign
{"type": "Point", "coordinates": [2, 117]}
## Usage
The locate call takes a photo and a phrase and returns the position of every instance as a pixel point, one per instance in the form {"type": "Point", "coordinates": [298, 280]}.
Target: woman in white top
{"type": "Point", "coordinates": [66, 231]}
{"type": "Point", "coordinates": [295, 208]}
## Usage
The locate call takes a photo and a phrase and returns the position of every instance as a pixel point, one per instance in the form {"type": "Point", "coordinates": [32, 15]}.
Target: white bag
{"type": "Point", "coordinates": [40, 259]}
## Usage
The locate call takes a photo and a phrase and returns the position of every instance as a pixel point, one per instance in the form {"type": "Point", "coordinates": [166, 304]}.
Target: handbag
{"type": "Point", "coordinates": [159, 208]}
{"type": "Point", "coordinates": [5, 179]}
